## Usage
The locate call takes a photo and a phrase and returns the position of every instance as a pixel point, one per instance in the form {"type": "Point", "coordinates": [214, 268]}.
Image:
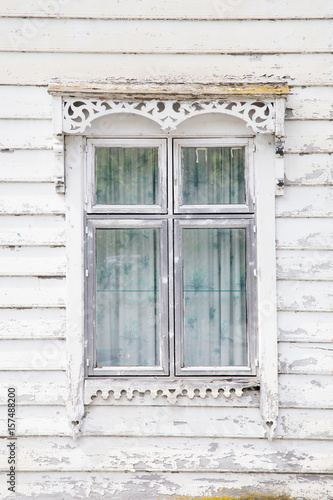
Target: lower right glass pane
{"type": "Point", "coordinates": [214, 297]}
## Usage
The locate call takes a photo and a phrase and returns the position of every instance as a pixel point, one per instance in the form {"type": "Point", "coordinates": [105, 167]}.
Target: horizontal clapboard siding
{"type": "Point", "coordinates": [305, 295]}
{"type": "Point", "coordinates": [41, 68]}
{"type": "Point", "coordinates": [175, 9]}
{"type": "Point", "coordinates": [309, 169]}
{"type": "Point", "coordinates": [183, 422]}
{"type": "Point", "coordinates": [32, 355]}
{"type": "Point", "coordinates": [32, 292]}
{"type": "Point", "coordinates": [35, 387]}
{"type": "Point", "coordinates": [232, 37]}
{"type": "Point", "coordinates": [304, 233]}
{"type": "Point", "coordinates": [143, 485]}
{"type": "Point", "coordinates": [35, 230]}
{"type": "Point", "coordinates": [305, 264]}
{"type": "Point", "coordinates": [26, 165]}
{"type": "Point", "coordinates": [29, 261]}
{"type": "Point", "coordinates": [176, 454]}
{"type": "Point", "coordinates": [32, 323]}
{"type": "Point", "coordinates": [30, 199]}
{"type": "Point", "coordinates": [295, 326]}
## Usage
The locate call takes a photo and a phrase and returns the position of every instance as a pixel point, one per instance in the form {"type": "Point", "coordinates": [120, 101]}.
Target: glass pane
{"type": "Point", "coordinates": [127, 297]}
{"type": "Point", "coordinates": [126, 176]}
{"type": "Point", "coordinates": [213, 175]}
{"type": "Point", "coordinates": [214, 297]}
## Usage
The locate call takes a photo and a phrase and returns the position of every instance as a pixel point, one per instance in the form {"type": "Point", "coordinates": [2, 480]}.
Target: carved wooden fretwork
{"type": "Point", "coordinates": [78, 113]}
{"type": "Point", "coordinates": [168, 391]}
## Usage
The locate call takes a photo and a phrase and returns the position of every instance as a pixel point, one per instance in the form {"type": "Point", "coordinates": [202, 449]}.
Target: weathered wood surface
{"type": "Point", "coordinates": [32, 292]}
{"type": "Point", "coordinates": [32, 323]}
{"type": "Point", "coordinates": [306, 391]}
{"type": "Point", "coordinates": [33, 261]}
{"type": "Point", "coordinates": [305, 201]}
{"type": "Point", "coordinates": [294, 326]}
{"type": "Point", "coordinates": [172, 454]}
{"type": "Point", "coordinates": [25, 102]}
{"type": "Point", "coordinates": [233, 37]}
{"type": "Point", "coordinates": [42, 68]}
{"type": "Point", "coordinates": [174, 9]}
{"type": "Point", "coordinates": [166, 486]}
{"type": "Point", "coordinates": [305, 295]}
{"type": "Point", "coordinates": [26, 134]}
{"type": "Point", "coordinates": [305, 103]}
{"type": "Point", "coordinates": [35, 230]}
{"type": "Point", "coordinates": [32, 355]}
{"type": "Point", "coordinates": [35, 387]}
{"type": "Point", "coordinates": [30, 199]}
{"type": "Point", "coordinates": [305, 264]}
{"type": "Point", "coordinates": [308, 136]}
{"type": "Point", "coordinates": [26, 165]}
{"type": "Point", "coordinates": [305, 358]}
{"type": "Point", "coordinates": [309, 169]}
{"type": "Point", "coordinates": [304, 233]}
{"type": "Point", "coordinates": [170, 421]}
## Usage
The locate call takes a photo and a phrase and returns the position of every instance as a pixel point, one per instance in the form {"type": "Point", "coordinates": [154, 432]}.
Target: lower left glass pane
{"type": "Point", "coordinates": [127, 297]}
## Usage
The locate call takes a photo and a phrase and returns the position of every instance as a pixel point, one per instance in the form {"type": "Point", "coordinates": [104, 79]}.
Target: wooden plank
{"type": "Point", "coordinates": [308, 170]}
{"type": "Point", "coordinates": [25, 102]}
{"type": "Point", "coordinates": [306, 234]}
{"type": "Point", "coordinates": [32, 323]}
{"type": "Point", "coordinates": [185, 485]}
{"type": "Point", "coordinates": [166, 9]}
{"type": "Point", "coordinates": [201, 422]}
{"type": "Point", "coordinates": [305, 264]}
{"type": "Point", "coordinates": [305, 358]}
{"type": "Point", "coordinates": [305, 326]}
{"type": "Point", "coordinates": [310, 103]}
{"type": "Point", "coordinates": [305, 295]}
{"type": "Point", "coordinates": [32, 292]}
{"type": "Point", "coordinates": [38, 421]}
{"type": "Point", "coordinates": [32, 355]}
{"type": "Point", "coordinates": [30, 199]}
{"type": "Point", "coordinates": [26, 134]}
{"type": "Point", "coordinates": [163, 37]}
{"type": "Point", "coordinates": [182, 422]}
{"type": "Point", "coordinates": [33, 261]}
{"type": "Point", "coordinates": [26, 165]}
{"type": "Point", "coordinates": [41, 68]}
{"type": "Point", "coordinates": [35, 388]}
{"type": "Point", "coordinates": [32, 230]}
{"type": "Point", "coordinates": [305, 201]}
{"type": "Point", "coordinates": [174, 454]}
{"type": "Point", "coordinates": [310, 136]}
{"type": "Point", "coordinates": [306, 391]}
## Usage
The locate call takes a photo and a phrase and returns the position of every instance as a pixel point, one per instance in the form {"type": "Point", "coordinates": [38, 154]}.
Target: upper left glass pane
{"type": "Point", "coordinates": [128, 177]}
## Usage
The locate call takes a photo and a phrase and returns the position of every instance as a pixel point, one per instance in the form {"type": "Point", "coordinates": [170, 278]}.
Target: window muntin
{"type": "Point", "coordinates": [174, 355]}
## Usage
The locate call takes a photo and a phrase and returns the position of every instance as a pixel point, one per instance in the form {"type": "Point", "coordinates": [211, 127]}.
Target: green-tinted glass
{"type": "Point", "coordinates": [213, 175]}
{"type": "Point", "coordinates": [214, 297]}
{"type": "Point", "coordinates": [127, 297]}
{"type": "Point", "coordinates": [126, 176]}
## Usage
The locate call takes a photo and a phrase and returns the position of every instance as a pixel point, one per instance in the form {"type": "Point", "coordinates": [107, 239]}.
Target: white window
{"type": "Point", "coordinates": [171, 217]}
{"type": "Point", "coordinates": [170, 252]}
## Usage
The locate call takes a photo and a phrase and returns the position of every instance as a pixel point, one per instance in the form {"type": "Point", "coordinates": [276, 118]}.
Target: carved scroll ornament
{"type": "Point", "coordinates": [78, 113]}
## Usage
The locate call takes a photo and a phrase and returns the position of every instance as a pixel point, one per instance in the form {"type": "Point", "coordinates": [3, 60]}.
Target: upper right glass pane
{"type": "Point", "coordinates": [213, 175]}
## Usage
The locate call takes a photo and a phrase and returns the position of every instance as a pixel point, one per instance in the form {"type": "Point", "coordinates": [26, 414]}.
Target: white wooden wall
{"type": "Point", "coordinates": [129, 451]}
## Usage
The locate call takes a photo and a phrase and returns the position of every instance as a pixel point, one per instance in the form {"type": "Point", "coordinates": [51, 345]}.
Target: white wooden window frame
{"type": "Point", "coordinates": [262, 109]}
